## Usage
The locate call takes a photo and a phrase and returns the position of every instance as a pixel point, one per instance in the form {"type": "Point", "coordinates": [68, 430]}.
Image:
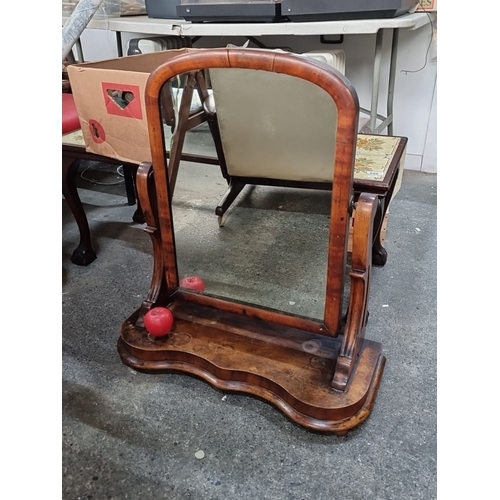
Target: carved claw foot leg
{"type": "Point", "coordinates": [84, 254]}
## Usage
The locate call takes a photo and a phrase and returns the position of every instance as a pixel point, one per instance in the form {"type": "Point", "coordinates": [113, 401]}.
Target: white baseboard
{"type": "Point", "coordinates": [413, 162]}
{"type": "Point", "coordinates": [417, 162]}
{"type": "Point", "coordinates": [429, 166]}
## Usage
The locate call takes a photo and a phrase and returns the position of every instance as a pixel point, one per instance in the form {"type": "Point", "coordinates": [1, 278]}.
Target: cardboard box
{"type": "Point", "coordinates": [109, 98]}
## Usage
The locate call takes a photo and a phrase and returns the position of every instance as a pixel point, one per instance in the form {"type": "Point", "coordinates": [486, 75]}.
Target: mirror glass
{"type": "Point", "coordinates": [269, 248]}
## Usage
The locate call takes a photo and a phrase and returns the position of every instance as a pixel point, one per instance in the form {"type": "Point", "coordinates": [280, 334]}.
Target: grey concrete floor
{"type": "Point", "coordinates": [129, 435]}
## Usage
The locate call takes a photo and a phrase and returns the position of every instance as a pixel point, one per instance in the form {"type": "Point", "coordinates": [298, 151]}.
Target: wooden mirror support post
{"type": "Point", "coordinates": [324, 375]}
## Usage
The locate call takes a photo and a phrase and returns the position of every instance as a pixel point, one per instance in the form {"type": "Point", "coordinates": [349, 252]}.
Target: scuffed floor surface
{"type": "Point", "coordinates": [128, 435]}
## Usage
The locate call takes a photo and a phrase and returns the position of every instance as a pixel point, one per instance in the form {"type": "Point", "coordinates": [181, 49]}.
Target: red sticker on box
{"type": "Point", "coordinates": [96, 131]}
{"type": "Point", "coordinates": [122, 100]}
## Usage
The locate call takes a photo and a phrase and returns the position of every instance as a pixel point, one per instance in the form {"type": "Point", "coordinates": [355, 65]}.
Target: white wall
{"type": "Point", "coordinates": [415, 103]}
{"type": "Point", "coordinates": [429, 163]}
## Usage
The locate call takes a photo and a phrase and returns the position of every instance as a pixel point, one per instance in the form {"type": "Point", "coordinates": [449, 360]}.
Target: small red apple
{"type": "Point", "coordinates": [158, 321]}
{"type": "Point", "coordinates": [193, 283]}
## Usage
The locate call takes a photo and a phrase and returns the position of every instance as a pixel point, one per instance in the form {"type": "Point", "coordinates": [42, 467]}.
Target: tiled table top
{"type": "Point", "coordinates": [373, 154]}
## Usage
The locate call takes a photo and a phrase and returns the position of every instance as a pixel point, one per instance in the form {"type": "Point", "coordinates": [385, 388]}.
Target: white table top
{"type": "Point", "coordinates": [145, 25]}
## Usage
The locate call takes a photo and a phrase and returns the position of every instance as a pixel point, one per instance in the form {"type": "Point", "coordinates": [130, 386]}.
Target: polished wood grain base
{"type": "Point", "coordinates": [288, 367]}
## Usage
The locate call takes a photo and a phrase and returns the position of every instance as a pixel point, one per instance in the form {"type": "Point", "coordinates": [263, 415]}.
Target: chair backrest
{"type": "Point", "coordinates": [310, 90]}
{"type": "Point", "coordinates": [274, 126]}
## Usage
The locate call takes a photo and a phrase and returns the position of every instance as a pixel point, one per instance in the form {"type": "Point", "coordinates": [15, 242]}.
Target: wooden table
{"type": "Point", "coordinates": [378, 169]}
{"type": "Point", "coordinates": [73, 150]}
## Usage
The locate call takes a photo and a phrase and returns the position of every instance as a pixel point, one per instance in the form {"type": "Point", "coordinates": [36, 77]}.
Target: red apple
{"type": "Point", "coordinates": [193, 283]}
{"type": "Point", "coordinates": [158, 321]}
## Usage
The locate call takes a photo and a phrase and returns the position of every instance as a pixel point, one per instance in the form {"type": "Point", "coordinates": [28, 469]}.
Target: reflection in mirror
{"type": "Point", "coordinates": [274, 137]}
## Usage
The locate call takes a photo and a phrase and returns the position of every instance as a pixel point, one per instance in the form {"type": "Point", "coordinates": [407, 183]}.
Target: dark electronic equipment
{"type": "Point", "coordinates": [248, 11]}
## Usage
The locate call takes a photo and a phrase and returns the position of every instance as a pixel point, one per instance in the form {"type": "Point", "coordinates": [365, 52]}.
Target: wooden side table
{"type": "Point", "coordinates": [73, 150]}
{"type": "Point", "coordinates": [379, 167]}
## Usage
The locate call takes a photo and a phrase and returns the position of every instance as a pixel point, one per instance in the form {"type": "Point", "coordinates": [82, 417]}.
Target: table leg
{"type": "Point", "coordinates": [119, 46]}
{"type": "Point", "coordinates": [392, 79]}
{"type": "Point", "coordinates": [84, 254]}
{"type": "Point", "coordinates": [175, 153]}
{"type": "Point", "coordinates": [377, 63]}
{"type": "Point", "coordinates": [138, 216]}
{"type": "Point", "coordinates": [379, 253]}
{"type": "Point", "coordinates": [128, 177]}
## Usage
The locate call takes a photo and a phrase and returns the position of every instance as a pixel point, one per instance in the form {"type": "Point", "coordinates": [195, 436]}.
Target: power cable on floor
{"type": "Point", "coordinates": [119, 171]}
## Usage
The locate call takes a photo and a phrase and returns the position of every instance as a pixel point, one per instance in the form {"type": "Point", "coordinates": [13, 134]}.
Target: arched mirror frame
{"type": "Point", "coordinates": [345, 98]}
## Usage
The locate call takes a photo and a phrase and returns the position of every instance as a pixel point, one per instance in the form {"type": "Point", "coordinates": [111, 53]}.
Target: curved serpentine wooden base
{"type": "Point", "coordinates": [290, 368]}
